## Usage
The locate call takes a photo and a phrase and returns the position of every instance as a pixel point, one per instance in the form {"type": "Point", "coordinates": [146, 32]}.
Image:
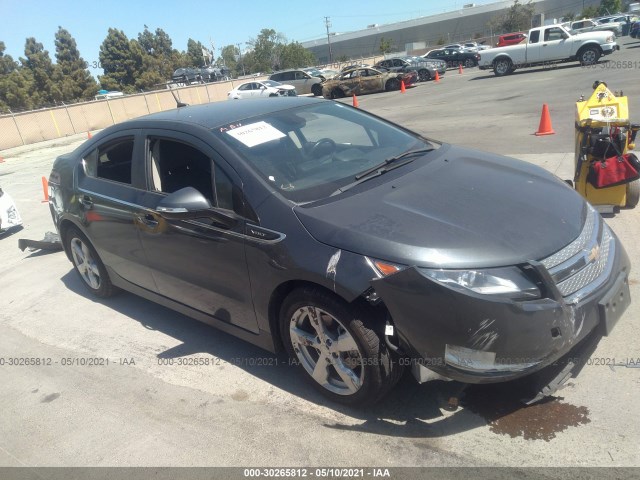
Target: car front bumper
{"type": "Point", "coordinates": [472, 339]}
{"type": "Point", "coordinates": [609, 48]}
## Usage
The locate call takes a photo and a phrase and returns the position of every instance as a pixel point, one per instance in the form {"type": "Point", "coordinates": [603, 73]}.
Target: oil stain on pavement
{"type": "Point", "coordinates": [506, 415]}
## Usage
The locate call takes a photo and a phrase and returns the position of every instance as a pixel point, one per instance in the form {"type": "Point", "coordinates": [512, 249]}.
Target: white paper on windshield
{"type": "Point", "coordinates": [256, 134]}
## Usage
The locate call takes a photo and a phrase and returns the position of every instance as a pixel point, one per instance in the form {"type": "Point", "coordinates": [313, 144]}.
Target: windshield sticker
{"type": "Point", "coordinates": [256, 134]}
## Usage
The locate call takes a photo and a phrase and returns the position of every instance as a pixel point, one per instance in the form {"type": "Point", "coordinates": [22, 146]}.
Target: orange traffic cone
{"type": "Point", "coordinates": [460, 69]}
{"type": "Point", "coordinates": [45, 190]}
{"type": "Point", "coordinates": [437, 80]}
{"type": "Point", "coordinates": [355, 101]}
{"type": "Point", "coordinates": [402, 87]}
{"type": "Point", "coordinates": [545, 127]}
{"type": "Point", "coordinates": [88, 134]}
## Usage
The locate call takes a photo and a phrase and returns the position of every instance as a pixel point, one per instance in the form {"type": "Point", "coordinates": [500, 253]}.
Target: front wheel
{"type": "Point", "coordinates": [88, 264]}
{"type": "Point", "coordinates": [589, 56]}
{"type": "Point", "coordinates": [316, 90]}
{"type": "Point", "coordinates": [344, 357]}
{"type": "Point", "coordinates": [502, 67]}
{"type": "Point", "coordinates": [337, 93]}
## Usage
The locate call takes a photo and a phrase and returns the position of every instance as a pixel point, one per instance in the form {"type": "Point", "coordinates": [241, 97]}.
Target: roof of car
{"type": "Point", "coordinates": [211, 115]}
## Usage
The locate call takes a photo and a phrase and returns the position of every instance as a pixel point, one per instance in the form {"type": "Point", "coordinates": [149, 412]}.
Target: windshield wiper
{"type": "Point", "coordinates": [381, 168]}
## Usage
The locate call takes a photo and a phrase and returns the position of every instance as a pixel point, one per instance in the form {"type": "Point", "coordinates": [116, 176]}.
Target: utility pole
{"type": "Point", "coordinates": [243, 72]}
{"type": "Point", "coordinates": [328, 24]}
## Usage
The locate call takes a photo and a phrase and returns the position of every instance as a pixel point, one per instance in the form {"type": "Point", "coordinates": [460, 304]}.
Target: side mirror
{"type": "Point", "coordinates": [188, 203]}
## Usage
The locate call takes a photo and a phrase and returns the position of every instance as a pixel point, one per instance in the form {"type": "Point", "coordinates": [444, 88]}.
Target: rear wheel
{"type": "Point", "coordinates": [424, 75]}
{"type": "Point", "coordinates": [345, 358]}
{"type": "Point", "coordinates": [316, 90]}
{"type": "Point", "coordinates": [502, 66]}
{"type": "Point", "coordinates": [392, 84]}
{"type": "Point", "coordinates": [633, 193]}
{"type": "Point", "coordinates": [337, 93]}
{"type": "Point", "coordinates": [468, 63]}
{"type": "Point", "coordinates": [88, 264]}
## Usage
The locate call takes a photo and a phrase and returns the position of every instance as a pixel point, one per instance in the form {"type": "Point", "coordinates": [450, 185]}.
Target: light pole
{"type": "Point", "coordinates": [328, 24]}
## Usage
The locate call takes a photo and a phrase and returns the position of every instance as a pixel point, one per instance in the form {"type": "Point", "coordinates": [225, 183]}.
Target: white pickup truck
{"type": "Point", "coordinates": [549, 44]}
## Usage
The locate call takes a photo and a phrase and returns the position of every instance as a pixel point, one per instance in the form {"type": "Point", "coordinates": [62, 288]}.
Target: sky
{"type": "Point", "coordinates": [214, 21]}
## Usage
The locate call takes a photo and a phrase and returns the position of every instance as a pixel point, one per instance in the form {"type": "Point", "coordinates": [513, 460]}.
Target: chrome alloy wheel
{"type": "Point", "coordinates": [85, 263]}
{"type": "Point", "coordinates": [326, 350]}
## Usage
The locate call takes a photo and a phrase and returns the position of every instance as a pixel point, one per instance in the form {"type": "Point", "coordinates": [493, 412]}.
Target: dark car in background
{"type": "Point", "coordinates": [426, 69]}
{"type": "Point", "coordinates": [454, 57]}
{"type": "Point", "coordinates": [352, 243]}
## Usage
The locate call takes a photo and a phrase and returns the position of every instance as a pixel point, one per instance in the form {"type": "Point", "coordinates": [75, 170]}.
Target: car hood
{"type": "Point", "coordinates": [457, 208]}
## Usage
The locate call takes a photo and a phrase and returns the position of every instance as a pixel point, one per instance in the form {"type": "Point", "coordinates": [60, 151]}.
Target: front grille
{"type": "Point", "coordinates": [583, 263]}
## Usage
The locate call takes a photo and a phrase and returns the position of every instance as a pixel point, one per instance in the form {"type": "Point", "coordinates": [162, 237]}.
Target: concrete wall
{"type": "Point", "coordinates": [47, 124]}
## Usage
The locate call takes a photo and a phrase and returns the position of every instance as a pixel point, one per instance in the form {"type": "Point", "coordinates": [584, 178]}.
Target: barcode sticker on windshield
{"type": "Point", "coordinates": [256, 134]}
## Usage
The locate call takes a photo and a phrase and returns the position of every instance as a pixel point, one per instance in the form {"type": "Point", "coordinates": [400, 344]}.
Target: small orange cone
{"type": "Point", "coordinates": [402, 87]}
{"type": "Point", "coordinates": [45, 190]}
{"type": "Point", "coordinates": [437, 80]}
{"type": "Point", "coordinates": [545, 127]}
{"type": "Point", "coordinates": [1, 159]}
{"type": "Point", "coordinates": [460, 71]}
{"type": "Point", "coordinates": [355, 101]}
{"type": "Point", "coordinates": [88, 134]}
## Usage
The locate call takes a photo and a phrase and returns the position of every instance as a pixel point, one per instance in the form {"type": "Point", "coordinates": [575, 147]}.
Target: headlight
{"type": "Point", "coordinates": [507, 282]}
{"type": "Point", "coordinates": [610, 38]}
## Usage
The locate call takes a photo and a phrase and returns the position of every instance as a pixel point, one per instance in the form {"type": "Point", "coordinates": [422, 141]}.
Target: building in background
{"type": "Point", "coordinates": [418, 35]}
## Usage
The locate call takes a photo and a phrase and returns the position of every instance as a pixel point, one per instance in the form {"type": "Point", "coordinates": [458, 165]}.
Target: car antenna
{"type": "Point", "coordinates": [178, 102]}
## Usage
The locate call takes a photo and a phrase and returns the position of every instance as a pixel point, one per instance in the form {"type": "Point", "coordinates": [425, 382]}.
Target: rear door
{"type": "Point", "coordinates": [110, 185]}
{"type": "Point", "coordinates": [199, 262]}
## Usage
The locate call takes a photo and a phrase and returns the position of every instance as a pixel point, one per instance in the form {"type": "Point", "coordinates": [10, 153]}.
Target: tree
{"type": "Point", "coordinates": [44, 91]}
{"type": "Point", "coordinates": [590, 12]}
{"type": "Point", "coordinates": [385, 45]}
{"type": "Point", "coordinates": [194, 55]}
{"type": "Point", "coordinates": [230, 57]}
{"type": "Point", "coordinates": [159, 59]}
{"type": "Point", "coordinates": [72, 77]}
{"type": "Point", "coordinates": [609, 7]}
{"type": "Point", "coordinates": [569, 17]}
{"type": "Point", "coordinates": [264, 56]}
{"type": "Point", "coordinates": [517, 18]}
{"type": "Point", "coordinates": [121, 60]}
{"type": "Point", "coordinates": [294, 55]}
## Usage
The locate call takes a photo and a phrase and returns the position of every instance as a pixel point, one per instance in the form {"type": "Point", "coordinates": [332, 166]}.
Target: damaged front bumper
{"type": "Point", "coordinates": [476, 339]}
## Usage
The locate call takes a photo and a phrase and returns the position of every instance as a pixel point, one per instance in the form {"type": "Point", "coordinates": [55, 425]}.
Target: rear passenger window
{"type": "Point", "coordinates": [534, 37]}
{"type": "Point", "coordinates": [111, 161]}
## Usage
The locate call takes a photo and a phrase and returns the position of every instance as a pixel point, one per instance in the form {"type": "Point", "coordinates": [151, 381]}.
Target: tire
{"type": "Point", "coordinates": [337, 93]}
{"type": "Point", "coordinates": [424, 75]}
{"type": "Point", "coordinates": [633, 193]}
{"type": "Point", "coordinates": [392, 84]}
{"type": "Point", "coordinates": [589, 56]}
{"type": "Point", "coordinates": [316, 90]}
{"type": "Point", "coordinates": [88, 265]}
{"type": "Point", "coordinates": [502, 67]}
{"type": "Point", "coordinates": [469, 63]}
{"type": "Point", "coordinates": [353, 365]}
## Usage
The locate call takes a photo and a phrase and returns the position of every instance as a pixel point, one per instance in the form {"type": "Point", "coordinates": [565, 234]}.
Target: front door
{"type": "Point", "coordinates": [196, 262]}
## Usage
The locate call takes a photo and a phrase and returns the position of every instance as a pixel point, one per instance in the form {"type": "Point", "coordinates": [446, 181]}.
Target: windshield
{"type": "Point", "coordinates": [309, 152]}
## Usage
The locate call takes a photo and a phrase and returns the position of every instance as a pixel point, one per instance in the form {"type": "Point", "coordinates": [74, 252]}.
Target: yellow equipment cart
{"type": "Point", "coordinates": [603, 130]}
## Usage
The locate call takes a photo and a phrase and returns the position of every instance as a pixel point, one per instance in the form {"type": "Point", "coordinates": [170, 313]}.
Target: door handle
{"type": "Point", "coordinates": [149, 220]}
{"type": "Point", "coordinates": [544, 44]}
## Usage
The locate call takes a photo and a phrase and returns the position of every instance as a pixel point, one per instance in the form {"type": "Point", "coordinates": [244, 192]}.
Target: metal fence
{"type": "Point", "coordinates": [58, 122]}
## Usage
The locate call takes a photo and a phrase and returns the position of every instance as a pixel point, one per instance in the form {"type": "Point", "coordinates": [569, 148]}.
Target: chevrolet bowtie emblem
{"type": "Point", "coordinates": [594, 254]}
